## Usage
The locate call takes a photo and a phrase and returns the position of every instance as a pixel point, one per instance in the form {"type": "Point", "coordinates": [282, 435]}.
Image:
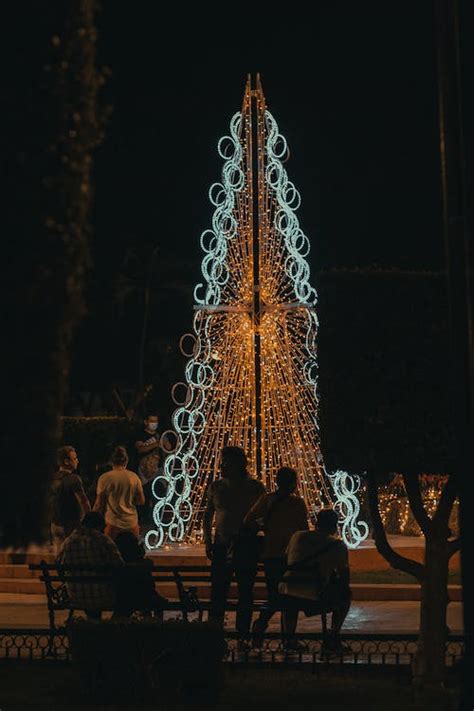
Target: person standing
{"type": "Point", "coordinates": [228, 501]}
{"type": "Point", "coordinates": [148, 458]}
{"type": "Point", "coordinates": [68, 501]}
{"type": "Point", "coordinates": [279, 514]}
{"type": "Point", "coordinates": [119, 492]}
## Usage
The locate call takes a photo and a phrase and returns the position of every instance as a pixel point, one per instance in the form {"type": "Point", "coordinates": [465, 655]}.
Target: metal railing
{"type": "Point", "coordinates": [373, 650]}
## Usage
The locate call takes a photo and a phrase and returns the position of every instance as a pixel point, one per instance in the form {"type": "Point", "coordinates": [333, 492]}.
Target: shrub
{"type": "Point", "coordinates": [120, 659]}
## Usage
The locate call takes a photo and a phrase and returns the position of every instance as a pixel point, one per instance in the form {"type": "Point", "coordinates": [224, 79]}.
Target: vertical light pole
{"type": "Point", "coordinates": [256, 155]}
{"type": "Point", "coordinates": [455, 231]}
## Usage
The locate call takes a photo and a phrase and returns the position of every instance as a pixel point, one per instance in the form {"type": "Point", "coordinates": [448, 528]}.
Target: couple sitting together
{"type": "Point", "coordinates": [304, 570]}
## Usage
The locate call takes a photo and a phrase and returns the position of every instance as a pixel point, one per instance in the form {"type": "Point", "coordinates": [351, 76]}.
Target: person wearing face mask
{"type": "Point", "coordinates": [149, 458]}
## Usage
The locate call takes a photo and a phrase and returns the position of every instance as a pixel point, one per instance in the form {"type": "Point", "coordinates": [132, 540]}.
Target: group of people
{"type": "Point", "coordinates": [121, 495]}
{"type": "Point", "coordinates": [305, 570]}
{"type": "Point", "coordinates": [105, 535]}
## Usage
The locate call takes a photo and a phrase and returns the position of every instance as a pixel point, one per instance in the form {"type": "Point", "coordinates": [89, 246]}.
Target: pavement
{"type": "Point", "coordinates": [24, 611]}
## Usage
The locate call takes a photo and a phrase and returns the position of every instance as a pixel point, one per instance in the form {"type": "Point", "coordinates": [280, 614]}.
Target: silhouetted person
{"type": "Point", "coordinates": [135, 588]}
{"type": "Point", "coordinates": [318, 576]}
{"type": "Point", "coordinates": [279, 515]}
{"type": "Point", "coordinates": [87, 545]}
{"type": "Point", "coordinates": [68, 501]}
{"type": "Point", "coordinates": [148, 456]}
{"type": "Point", "coordinates": [119, 492]}
{"type": "Point", "coordinates": [228, 501]}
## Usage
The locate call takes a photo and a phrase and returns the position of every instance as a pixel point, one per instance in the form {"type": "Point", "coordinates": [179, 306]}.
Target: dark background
{"type": "Point", "coordinates": [353, 88]}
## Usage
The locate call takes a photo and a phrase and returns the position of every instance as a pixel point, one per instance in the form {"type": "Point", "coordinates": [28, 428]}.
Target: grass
{"type": "Point", "coordinates": [54, 686]}
{"type": "Point", "coordinates": [391, 576]}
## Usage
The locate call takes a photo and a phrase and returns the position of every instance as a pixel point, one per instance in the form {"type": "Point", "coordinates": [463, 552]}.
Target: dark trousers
{"type": "Point", "coordinates": [274, 570]}
{"type": "Point", "coordinates": [222, 570]}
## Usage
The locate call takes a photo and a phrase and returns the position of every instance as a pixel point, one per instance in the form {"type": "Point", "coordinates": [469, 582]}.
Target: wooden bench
{"type": "Point", "coordinates": [186, 580]}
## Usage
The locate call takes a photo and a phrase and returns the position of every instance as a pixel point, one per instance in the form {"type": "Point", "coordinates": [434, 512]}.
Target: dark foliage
{"type": "Point", "coordinates": [53, 128]}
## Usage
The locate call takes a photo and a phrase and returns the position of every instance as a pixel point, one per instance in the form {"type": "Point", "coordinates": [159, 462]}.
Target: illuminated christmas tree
{"type": "Point", "coordinates": [251, 377]}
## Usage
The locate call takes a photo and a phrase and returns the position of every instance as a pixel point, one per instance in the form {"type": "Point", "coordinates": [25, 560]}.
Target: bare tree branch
{"type": "Point", "coordinates": [454, 546]}
{"type": "Point", "coordinates": [446, 501]}
{"type": "Point", "coordinates": [381, 542]}
{"type": "Point", "coordinates": [412, 487]}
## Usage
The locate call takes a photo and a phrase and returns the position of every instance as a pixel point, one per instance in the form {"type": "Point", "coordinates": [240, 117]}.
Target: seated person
{"type": "Point", "coordinates": [317, 579]}
{"type": "Point", "coordinates": [135, 588]}
{"type": "Point", "coordinates": [88, 546]}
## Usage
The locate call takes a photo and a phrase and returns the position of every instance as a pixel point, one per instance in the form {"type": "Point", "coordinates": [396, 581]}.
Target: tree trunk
{"type": "Point", "coordinates": [429, 664]}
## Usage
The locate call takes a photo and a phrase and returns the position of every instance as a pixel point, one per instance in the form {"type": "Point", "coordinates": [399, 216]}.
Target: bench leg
{"type": "Point", "coordinates": [52, 631]}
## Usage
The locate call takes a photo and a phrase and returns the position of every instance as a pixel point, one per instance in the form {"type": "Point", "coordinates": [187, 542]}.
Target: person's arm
{"type": "Point", "coordinates": [83, 502]}
{"type": "Point", "coordinates": [111, 552]}
{"type": "Point", "coordinates": [303, 517]}
{"type": "Point", "coordinates": [80, 495]}
{"type": "Point", "coordinates": [207, 522]}
{"type": "Point", "coordinates": [257, 511]}
{"type": "Point", "coordinates": [343, 567]}
{"type": "Point", "coordinates": [100, 502]}
{"type": "Point", "coordinates": [145, 447]}
{"type": "Point", "coordinates": [166, 444]}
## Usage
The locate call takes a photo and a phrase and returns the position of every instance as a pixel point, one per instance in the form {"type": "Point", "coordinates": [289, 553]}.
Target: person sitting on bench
{"type": "Point", "coordinates": [88, 546]}
{"type": "Point", "coordinates": [317, 579]}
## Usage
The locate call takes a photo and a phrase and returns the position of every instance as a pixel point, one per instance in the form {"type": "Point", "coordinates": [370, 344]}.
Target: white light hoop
{"type": "Point", "coordinates": [347, 504]}
{"type": "Point", "coordinates": [183, 420]}
{"type": "Point", "coordinates": [160, 499]}
{"type": "Point", "coordinates": [187, 395]}
{"type": "Point", "coordinates": [165, 442]}
{"type": "Point", "coordinates": [189, 470]}
{"type": "Point", "coordinates": [209, 246]}
{"type": "Point", "coordinates": [184, 503]}
{"type": "Point", "coordinates": [154, 539]}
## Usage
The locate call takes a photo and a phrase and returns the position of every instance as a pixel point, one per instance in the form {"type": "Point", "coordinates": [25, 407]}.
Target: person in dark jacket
{"type": "Point", "coordinates": [135, 589]}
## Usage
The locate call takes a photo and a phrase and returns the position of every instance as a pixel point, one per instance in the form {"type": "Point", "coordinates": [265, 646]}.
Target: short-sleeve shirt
{"type": "Point", "coordinates": [65, 508]}
{"type": "Point", "coordinates": [230, 503]}
{"type": "Point", "coordinates": [147, 464]}
{"type": "Point", "coordinates": [281, 518]}
{"type": "Point", "coordinates": [121, 490]}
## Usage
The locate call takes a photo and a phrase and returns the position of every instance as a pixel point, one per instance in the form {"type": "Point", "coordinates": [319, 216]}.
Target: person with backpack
{"type": "Point", "coordinates": [68, 501]}
{"type": "Point", "coordinates": [279, 515]}
{"type": "Point", "coordinates": [317, 578]}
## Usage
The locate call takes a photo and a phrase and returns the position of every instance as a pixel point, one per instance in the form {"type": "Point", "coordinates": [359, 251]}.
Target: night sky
{"type": "Point", "coordinates": [352, 86]}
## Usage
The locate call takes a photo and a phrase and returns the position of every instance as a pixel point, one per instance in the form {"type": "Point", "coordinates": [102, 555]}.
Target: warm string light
{"type": "Point", "coordinates": [219, 404]}
{"type": "Point", "coordinates": [394, 505]}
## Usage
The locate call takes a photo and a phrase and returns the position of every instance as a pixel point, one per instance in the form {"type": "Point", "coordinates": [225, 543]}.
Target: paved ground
{"type": "Point", "coordinates": [31, 611]}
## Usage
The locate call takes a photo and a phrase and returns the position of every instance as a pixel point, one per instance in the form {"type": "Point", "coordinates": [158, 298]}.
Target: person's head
{"type": "Point", "coordinates": [327, 520]}
{"type": "Point", "coordinates": [67, 458]}
{"type": "Point", "coordinates": [129, 547]}
{"type": "Point", "coordinates": [119, 457]}
{"type": "Point", "coordinates": [286, 479]}
{"type": "Point", "coordinates": [151, 422]}
{"type": "Point", "coordinates": [234, 463]}
{"type": "Point", "coordinates": [93, 521]}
